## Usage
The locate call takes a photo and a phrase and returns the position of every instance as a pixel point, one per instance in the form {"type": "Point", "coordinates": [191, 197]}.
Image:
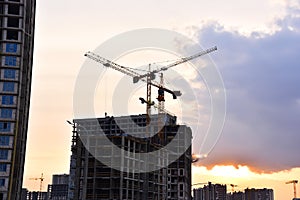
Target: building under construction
{"type": "Point", "coordinates": [58, 190]}
{"type": "Point", "coordinates": [123, 178]}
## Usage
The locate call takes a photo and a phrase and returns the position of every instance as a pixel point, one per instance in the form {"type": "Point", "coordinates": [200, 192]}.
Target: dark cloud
{"type": "Point", "coordinates": [261, 73]}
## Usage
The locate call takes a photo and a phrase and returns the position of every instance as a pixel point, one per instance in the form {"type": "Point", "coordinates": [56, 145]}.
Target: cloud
{"type": "Point", "coordinates": [261, 73]}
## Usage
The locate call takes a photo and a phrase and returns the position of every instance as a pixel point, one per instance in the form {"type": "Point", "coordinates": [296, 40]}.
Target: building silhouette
{"type": "Point", "coordinates": [211, 192]}
{"type": "Point", "coordinates": [236, 196]}
{"type": "Point", "coordinates": [252, 194]}
{"type": "Point", "coordinates": [34, 195]}
{"type": "Point", "coordinates": [17, 19]}
{"type": "Point", "coordinates": [259, 194]}
{"type": "Point", "coordinates": [58, 190]}
{"type": "Point", "coordinates": [90, 178]}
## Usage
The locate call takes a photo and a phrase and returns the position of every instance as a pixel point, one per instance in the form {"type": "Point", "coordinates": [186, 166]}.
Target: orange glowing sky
{"type": "Point", "coordinates": [244, 178]}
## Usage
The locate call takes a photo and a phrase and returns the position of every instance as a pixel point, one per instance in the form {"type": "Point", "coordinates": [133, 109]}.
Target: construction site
{"type": "Point", "coordinates": [98, 171]}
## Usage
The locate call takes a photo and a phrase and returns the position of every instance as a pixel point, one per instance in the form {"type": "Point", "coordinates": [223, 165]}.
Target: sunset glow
{"type": "Point", "coordinates": [243, 178]}
{"type": "Point", "coordinates": [231, 171]}
{"type": "Point", "coordinates": [257, 57]}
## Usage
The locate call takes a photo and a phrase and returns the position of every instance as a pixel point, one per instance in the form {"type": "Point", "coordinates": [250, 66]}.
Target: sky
{"type": "Point", "coordinates": [257, 58]}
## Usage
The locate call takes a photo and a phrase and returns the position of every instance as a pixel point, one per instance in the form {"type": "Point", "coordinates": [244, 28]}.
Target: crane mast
{"type": "Point", "coordinates": [41, 184]}
{"type": "Point", "coordinates": [161, 98]}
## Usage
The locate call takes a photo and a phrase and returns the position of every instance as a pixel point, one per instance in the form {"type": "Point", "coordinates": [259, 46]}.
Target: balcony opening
{"type": "Point", "coordinates": [13, 9]}
{"type": "Point", "coordinates": [12, 35]}
{"type": "Point", "coordinates": [13, 22]}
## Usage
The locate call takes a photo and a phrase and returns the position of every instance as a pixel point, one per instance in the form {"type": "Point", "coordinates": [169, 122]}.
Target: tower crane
{"type": "Point", "coordinates": [232, 187]}
{"type": "Point", "coordinates": [41, 184]}
{"type": "Point", "coordinates": [295, 189]}
{"type": "Point", "coordinates": [148, 77]}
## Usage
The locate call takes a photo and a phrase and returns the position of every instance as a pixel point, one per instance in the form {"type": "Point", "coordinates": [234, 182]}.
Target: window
{"type": "Point", "coordinates": [4, 140]}
{"type": "Point", "coordinates": [3, 167]}
{"type": "Point", "coordinates": [12, 35]}
{"type": "Point", "coordinates": [4, 126]}
{"type": "Point", "coordinates": [1, 11]}
{"type": "Point", "coordinates": [3, 154]}
{"type": "Point", "coordinates": [181, 190]}
{"type": "Point", "coordinates": [6, 113]}
{"type": "Point", "coordinates": [181, 186]}
{"type": "Point", "coordinates": [13, 9]}
{"type": "Point", "coordinates": [11, 60]}
{"type": "Point", "coordinates": [8, 86]}
{"type": "Point", "coordinates": [10, 73]}
{"type": "Point", "coordinates": [13, 22]}
{"type": "Point", "coordinates": [11, 47]}
{"type": "Point", "coordinates": [181, 172]}
{"type": "Point", "coordinates": [2, 182]}
{"type": "Point", "coordinates": [181, 194]}
{"type": "Point", "coordinates": [7, 100]}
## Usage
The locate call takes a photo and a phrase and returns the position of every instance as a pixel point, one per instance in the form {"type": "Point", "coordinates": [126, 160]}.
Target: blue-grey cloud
{"type": "Point", "coordinates": [261, 73]}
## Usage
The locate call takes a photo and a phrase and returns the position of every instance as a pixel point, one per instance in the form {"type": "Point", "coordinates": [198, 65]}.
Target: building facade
{"type": "Point", "coordinates": [211, 192]}
{"type": "Point", "coordinates": [259, 194]}
{"type": "Point", "coordinates": [58, 190]}
{"type": "Point", "coordinates": [27, 195]}
{"type": "Point", "coordinates": [17, 19]}
{"type": "Point", "coordinates": [90, 178]}
{"type": "Point", "coordinates": [236, 196]}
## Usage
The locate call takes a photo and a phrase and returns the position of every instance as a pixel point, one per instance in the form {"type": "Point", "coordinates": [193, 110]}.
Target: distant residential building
{"type": "Point", "coordinates": [24, 194]}
{"type": "Point", "coordinates": [259, 194]}
{"type": "Point", "coordinates": [58, 190]}
{"type": "Point", "coordinates": [236, 196]}
{"type": "Point", "coordinates": [27, 195]}
{"type": "Point", "coordinates": [198, 194]}
{"type": "Point", "coordinates": [91, 179]}
{"type": "Point", "coordinates": [211, 192]}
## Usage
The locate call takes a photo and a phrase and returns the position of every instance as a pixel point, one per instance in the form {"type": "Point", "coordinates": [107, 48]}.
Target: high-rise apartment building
{"type": "Point", "coordinates": [58, 190]}
{"type": "Point", "coordinates": [17, 19]}
{"type": "Point", "coordinates": [90, 178]}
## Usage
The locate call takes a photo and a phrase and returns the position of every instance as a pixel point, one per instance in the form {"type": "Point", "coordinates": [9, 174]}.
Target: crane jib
{"type": "Point", "coordinates": [178, 62]}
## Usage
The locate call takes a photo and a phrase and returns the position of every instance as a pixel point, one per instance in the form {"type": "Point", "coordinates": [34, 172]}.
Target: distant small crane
{"type": "Point", "coordinates": [41, 184]}
{"type": "Point", "coordinates": [232, 187]}
{"type": "Point", "coordinates": [199, 184]}
{"type": "Point", "coordinates": [295, 189]}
